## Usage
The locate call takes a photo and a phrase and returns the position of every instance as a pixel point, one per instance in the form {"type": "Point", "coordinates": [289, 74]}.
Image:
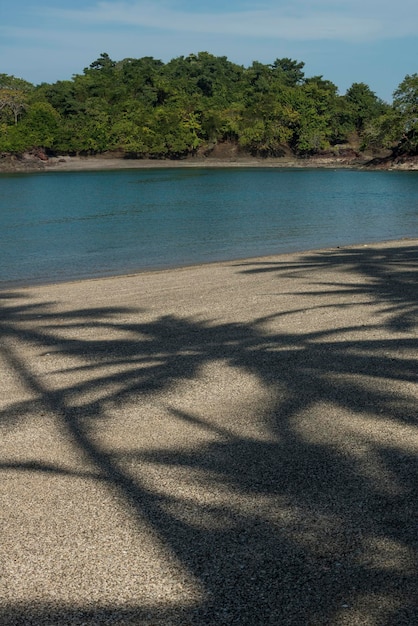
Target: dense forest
{"type": "Point", "coordinates": [146, 108]}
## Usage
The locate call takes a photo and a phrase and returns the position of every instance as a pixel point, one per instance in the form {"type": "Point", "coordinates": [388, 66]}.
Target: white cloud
{"type": "Point", "coordinates": [344, 41]}
{"type": "Point", "coordinates": [297, 20]}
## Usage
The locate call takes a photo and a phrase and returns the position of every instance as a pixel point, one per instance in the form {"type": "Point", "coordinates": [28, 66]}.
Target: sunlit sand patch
{"type": "Point", "coordinates": [360, 437]}
{"type": "Point", "coordinates": [383, 553]}
{"type": "Point", "coordinates": [366, 610]}
{"type": "Point", "coordinates": [219, 403]}
{"type": "Point", "coordinates": [75, 541]}
{"type": "Point", "coordinates": [40, 443]}
{"type": "Point", "coordinates": [13, 387]}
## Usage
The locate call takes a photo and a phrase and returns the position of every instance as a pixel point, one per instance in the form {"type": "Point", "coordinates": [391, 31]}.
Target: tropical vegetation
{"type": "Point", "coordinates": [146, 108]}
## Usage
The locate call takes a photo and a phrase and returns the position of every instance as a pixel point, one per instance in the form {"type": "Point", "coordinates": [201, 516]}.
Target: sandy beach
{"type": "Point", "coordinates": [32, 163]}
{"type": "Point", "coordinates": [233, 443]}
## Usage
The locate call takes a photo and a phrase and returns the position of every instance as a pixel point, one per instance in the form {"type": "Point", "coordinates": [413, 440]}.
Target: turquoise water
{"type": "Point", "coordinates": [65, 225]}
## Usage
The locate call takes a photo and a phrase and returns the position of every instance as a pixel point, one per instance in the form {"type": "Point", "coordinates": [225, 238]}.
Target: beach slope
{"type": "Point", "coordinates": [233, 443]}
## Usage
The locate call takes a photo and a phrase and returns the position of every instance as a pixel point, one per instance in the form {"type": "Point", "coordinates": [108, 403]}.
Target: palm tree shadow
{"type": "Point", "coordinates": [313, 521]}
{"type": "Point", "coordinates": [387, 273]}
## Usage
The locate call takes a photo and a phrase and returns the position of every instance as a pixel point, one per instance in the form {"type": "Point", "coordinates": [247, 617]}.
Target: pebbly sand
{"type": "Point", "coordinates": [233, 443]}
{"type": "Point", "coordinates": [32, 163]}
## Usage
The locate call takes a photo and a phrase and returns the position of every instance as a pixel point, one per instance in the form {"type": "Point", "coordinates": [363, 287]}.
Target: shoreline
{"type": "Point", "coordinates": [33, 163]}
{"type": "Point", "coordinates": [24, 284]}
{"type": "Point", "coordinates": [237, 437]}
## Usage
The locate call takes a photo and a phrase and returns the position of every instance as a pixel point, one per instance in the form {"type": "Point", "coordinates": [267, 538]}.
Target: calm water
{"type": "Point", "coordinates": [57, 226]}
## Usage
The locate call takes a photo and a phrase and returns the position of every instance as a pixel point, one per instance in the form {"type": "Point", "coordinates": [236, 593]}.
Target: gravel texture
{"type": "Point", "coordinates": [234, 443]}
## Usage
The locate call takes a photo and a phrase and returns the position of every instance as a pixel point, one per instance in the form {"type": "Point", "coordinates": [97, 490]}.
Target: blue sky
{"type": "Point", "coordinates": [371, 41]}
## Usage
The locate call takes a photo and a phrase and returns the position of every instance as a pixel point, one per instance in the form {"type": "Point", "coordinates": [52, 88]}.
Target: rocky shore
{"type": "Point", "coordinates": [40, 162]}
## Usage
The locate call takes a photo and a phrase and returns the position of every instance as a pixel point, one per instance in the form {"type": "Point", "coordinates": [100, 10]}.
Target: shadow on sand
{"type": "Point", "coordinates": [328, 530]}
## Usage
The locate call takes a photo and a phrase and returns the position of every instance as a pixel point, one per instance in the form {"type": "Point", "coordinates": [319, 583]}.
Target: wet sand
{"type": "Point", "coordinates": [41, 163]}
{"type": "Point", "coordinates": [30, 163]}
{"type": "Point", "coordinates": [233, 443]}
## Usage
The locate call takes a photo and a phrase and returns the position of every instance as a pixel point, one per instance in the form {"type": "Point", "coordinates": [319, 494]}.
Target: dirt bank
{"type": "Point", "coordinates": [43, 163]}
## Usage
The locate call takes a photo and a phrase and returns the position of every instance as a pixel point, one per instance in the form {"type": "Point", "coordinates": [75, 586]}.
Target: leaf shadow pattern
{"type": "Point", "coordinates": [312, 521]}
{"type": "Point", "coordinates": [388, 273]}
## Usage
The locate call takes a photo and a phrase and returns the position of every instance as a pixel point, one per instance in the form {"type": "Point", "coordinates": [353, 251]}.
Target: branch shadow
{"type": "Point", "coordinates": [388, 273]}
{"type": "Point", "coordinates": [312, 522]}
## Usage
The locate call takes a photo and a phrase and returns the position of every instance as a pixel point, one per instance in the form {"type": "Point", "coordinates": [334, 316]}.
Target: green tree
{"type": "Point", "coordinates": [142, 80]}
{"type": "Point", "coordinates": [363, 105]}
{"type": "Point", "coordinates": [13, 97]}
{"type": "Point", "coordinates": [145, 107]}
{"type": "Point", "coordinates": [316, 103]}
{"type": "Point", "coordinates": [40, 125]}
{"type": "Point", "coordinates": [288, 71]}
{"type": "Point", "coordinates": [266, 125]}
{"type": "Point", "coordinates": [62, 95]}
{"type": "Point", "coordinates": [405, 105]}
{"type": "Point", "coordinates": [397, 127]}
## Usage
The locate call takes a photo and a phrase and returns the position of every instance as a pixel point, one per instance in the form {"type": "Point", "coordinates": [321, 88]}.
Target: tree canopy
{"type": "Point", "coordinates": [146, 108]}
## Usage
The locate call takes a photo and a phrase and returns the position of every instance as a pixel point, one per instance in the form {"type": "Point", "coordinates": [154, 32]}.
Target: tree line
{"type": "Point", "coordinates": [146, 108]}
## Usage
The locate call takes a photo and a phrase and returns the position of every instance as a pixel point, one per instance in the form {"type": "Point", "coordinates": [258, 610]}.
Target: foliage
{"type": "Point", "coordinates": [405, 104]}
{"type": "Point", "coordinates": [397, 126]}
{"type": "Point", "coordinates": [363, 105]}
{"type": "Point", "coordinates": [146, 108]}
{"type": "Point", "coordinates": [13, 97]}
